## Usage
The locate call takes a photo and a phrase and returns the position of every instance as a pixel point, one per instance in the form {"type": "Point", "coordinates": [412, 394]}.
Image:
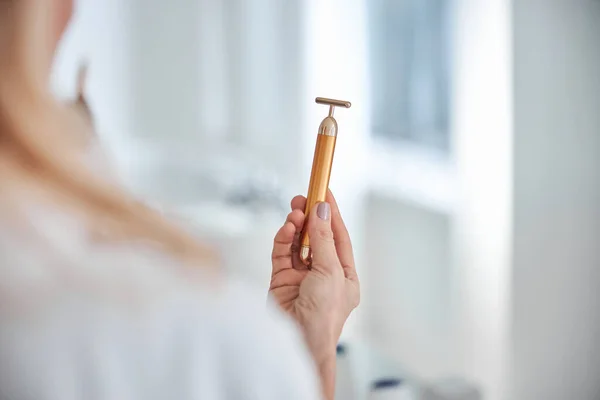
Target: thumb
{"type": "Point", "coordinates": [324, 255]}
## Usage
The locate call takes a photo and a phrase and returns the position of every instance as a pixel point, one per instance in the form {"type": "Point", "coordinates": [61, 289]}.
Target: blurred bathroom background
{"type": "Point", "coordinates": [467, 169]}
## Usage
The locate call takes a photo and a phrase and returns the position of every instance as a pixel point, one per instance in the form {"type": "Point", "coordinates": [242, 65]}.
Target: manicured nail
{"type": "Point", "coordinates": [324, 211]}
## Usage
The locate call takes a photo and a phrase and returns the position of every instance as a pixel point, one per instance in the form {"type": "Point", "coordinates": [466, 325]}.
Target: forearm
{"type": "Point", "coordinates": [322, 337]}
{"type": "Point", "coordinates": [327, 372]}
{"type": "Point", "coordinates": [322, 345]}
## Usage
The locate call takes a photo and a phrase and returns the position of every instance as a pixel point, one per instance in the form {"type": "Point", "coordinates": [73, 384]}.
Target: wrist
{"type": "Point", "coordinates": [325, 356]}
{"type": "Point", "coordinates": [322, 345]}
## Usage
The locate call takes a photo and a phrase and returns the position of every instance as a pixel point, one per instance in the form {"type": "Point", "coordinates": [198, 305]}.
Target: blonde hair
{"type": "Point", "coordinates": [39, 146]}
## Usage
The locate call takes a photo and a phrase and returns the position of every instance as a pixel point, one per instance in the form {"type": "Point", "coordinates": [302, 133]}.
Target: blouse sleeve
{"type": "Point", "coordinates": [265, 352]}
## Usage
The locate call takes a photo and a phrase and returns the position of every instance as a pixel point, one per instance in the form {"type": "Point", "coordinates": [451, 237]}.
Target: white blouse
{"type": "Point", "coordinates": [83, 320]}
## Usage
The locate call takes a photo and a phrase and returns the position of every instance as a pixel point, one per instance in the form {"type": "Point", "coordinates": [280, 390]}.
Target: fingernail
{"type": "Point", "coordinates": [324, 211]}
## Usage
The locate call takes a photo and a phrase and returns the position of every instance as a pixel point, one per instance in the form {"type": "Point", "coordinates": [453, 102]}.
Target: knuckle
{"type": "Point", "coordinates": [319, 265]}
{"type": "Point", "coordinates": [325, 235]}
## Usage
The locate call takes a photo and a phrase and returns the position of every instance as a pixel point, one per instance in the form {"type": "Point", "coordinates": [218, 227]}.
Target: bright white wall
{"type": "Point", "coordinates": [165, 56]}
{"type": "Point", "coordinates": [408, 294]}
{"type": "Point", "coordinates": [525, 233]}
{"type": "Point", "coordinates": [212, 75]}
{"type": "Point", "coordinates": [556, 307]}
{"type": "Point", "coordinates": [439, 277]}
{"type": "Point", "coordinates": [482, 225]}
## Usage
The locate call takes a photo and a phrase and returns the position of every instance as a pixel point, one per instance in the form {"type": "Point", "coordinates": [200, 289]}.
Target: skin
{"type": "Point", "coordinates": [322, 298]}
{"type": "Point", "coordinates": [30, 31]}
{"type": "Point", "coordinates": [34, 28]}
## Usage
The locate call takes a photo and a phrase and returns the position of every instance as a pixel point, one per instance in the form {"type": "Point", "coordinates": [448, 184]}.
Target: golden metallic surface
{"type": "Point", "coordinates": [321, 168]}
{"type": "Point", "coordinates": [305, 255]}
{"type": "Point", "coordinates": [319, 182]}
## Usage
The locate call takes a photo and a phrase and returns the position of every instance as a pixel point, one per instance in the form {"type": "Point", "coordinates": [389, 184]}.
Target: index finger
{"type": "Point", "coordinates": [343, 244]}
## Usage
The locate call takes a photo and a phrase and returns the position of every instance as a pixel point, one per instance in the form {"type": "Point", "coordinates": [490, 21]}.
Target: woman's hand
{"type": "Point", "coordinates": [322, 298]}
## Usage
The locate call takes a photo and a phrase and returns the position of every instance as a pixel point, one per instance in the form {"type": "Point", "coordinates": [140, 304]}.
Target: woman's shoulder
{"type": "Point", "coordinates": [51, 257]}
{"type": "Point", "coordinates": [120, 317]}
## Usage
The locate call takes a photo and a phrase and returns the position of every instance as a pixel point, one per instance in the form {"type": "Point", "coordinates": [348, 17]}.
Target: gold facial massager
{"type": "Point", "coordinates": [321, 168]}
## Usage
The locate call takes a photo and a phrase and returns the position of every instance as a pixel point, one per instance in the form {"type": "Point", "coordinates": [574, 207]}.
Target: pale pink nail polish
{"type": "Point", "coordinates": [324, 211]}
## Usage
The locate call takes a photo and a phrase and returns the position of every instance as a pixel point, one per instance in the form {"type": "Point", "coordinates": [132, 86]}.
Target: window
{"type": "Point", "coordinates": [409, 44]}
